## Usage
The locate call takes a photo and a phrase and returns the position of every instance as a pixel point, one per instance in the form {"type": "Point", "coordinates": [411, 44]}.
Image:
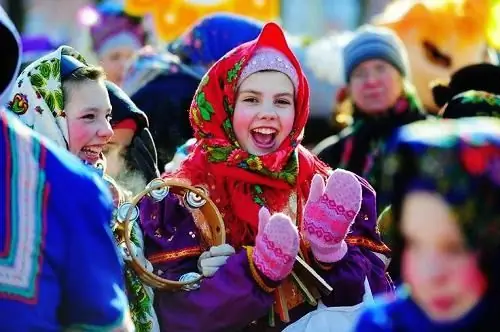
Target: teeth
{"type": "Point", "coordinates": [92, 150]}
{"type": "Point", "coordinates": [265, 131]}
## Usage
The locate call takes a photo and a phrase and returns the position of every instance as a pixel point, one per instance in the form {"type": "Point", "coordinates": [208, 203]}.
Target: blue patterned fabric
{"type": "Point", "coordinates": [59, 268]}
{"type": "Point", "coordinates": [56, 216]}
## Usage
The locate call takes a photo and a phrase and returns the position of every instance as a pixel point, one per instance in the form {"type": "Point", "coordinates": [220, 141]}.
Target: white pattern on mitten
{"type": "Point", "coordinates": [329, 212]}
{"type": "Point", "coordinates": [276, 245]}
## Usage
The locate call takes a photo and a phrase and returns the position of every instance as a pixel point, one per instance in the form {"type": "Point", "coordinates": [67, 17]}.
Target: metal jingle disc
{"type": "Point", "coordinates": [123, 209]}
{"type": "Point", "coordinates": [193, 200]}
{"type": "Point", "coordinates": [157, 194]}
{"type": "Point", "coordinates": [188, 277]}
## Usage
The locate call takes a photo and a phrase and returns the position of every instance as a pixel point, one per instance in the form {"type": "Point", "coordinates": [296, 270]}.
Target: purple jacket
{"type": "Point", "coordinates": [232, 300]}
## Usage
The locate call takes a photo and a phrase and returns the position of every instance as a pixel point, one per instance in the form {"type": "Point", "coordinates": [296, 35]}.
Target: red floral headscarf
{"type": "Point", "coordinates": [240, 183]}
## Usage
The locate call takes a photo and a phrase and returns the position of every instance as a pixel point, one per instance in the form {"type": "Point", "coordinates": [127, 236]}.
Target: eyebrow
{"type": "Point", "coordinates": [281, 94]}
{"type": "Point", "coordinates": [97, 109]}
{"type": "Point", "coordinates": [284, 94]}
{"type": "Point", "coordinates": [251, 91]}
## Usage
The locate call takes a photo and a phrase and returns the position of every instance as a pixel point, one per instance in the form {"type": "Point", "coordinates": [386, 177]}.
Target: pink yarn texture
{"type": "Point", "coordinates": [276, 245]}
{"type": "Point", "coordinates": [329, 213]}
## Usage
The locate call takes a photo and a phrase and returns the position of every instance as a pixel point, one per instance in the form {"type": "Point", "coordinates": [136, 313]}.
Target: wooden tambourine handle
{"type": "Point", "coordinates": [209, 211]}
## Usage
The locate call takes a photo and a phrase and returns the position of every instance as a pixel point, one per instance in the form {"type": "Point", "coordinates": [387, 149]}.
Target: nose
{"type": "Point", "coordinates": [105, 131]}
{"type": "Point", "coordinates": [371, 80]}
{"type": "Point", "coordinates": [268, 112]}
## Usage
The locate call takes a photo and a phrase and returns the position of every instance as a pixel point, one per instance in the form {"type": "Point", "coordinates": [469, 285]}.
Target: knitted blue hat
{"type": "Point", "coordinates": [372, 42]}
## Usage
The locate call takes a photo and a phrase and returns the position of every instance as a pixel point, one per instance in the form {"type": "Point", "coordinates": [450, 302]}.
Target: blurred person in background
{"type": "Point", "coordinates": [131, 153]}
{"type": "Point", "coordinates": [377, 99]}
{"type": "Point", "coordinates": [115, 37]}
{"type": "Point", "coordinates": [442, 178]}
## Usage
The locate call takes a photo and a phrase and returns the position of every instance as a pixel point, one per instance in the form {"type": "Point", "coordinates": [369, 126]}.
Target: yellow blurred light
{"type": "Point", "coordinates": [259, 3]}
{"type": "Point", "coordinates": [169, 18]}
{"type": "Point", "coordinates": [173, 17]}
{"type": "Point", "coordinates": [204, 2]}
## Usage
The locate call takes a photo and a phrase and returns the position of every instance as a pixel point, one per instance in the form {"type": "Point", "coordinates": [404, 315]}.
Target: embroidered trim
{"type": "Point", "coordinates": [19, 269]}
{"type": "Point", "coordinates": [174, 255]}
{"type": "Point", "coordinates": [8, 192]}
{"type": "Point", "coordinates": [255, 274]}
{"type": "Point", "coordinates": [367, 243]}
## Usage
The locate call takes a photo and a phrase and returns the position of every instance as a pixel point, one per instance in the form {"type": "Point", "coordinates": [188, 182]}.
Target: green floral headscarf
{"type": "Point", "coordinates": [38, 98]}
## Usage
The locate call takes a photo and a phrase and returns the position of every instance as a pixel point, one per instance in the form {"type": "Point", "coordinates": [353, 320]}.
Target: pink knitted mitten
{"type": "Point", "coordinates": [276, 245]}
{"type": "Point", "coordinates": [329, 212]}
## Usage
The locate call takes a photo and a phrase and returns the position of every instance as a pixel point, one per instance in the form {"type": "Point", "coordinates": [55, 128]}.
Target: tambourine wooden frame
{"type": "Point", "coordinates": [210, 213]}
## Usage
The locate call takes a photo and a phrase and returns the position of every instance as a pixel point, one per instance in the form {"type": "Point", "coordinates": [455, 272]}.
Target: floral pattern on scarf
{"type": "Point", "coordinates": [140, 296]}
{"type": "Point", "coordinates": [38, 97]}
{"type": "Point", "coordinates": [476, 97]}
{"type": "Point", "coordinates": [281, 165]}
{"type": "Point", "coordinates": [247, 181]}
{"type": "Point", "coordinates": [472, 103]}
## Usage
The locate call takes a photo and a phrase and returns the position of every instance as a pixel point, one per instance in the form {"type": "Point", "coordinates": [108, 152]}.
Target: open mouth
{"type": "Point", "coordinates": [264, 137]}
{"type": "Point", "coordinates": [91, 153]}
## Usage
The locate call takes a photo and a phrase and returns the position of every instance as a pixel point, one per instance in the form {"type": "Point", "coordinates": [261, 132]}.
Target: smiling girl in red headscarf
{"type": "Point", "coordinates": [248, 115]}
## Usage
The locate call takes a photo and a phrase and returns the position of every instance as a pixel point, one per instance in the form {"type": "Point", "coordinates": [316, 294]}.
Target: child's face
{"type": "Point", "coordinates": [443, 274]}
{"type": "Point", "coordinates": [264, 112]}
{"type": "Point", "coordinates": [88, 111]}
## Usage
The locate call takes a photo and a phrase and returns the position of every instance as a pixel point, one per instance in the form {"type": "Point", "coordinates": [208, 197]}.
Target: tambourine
{"type": "Point", "coordinates": [194, 198]}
